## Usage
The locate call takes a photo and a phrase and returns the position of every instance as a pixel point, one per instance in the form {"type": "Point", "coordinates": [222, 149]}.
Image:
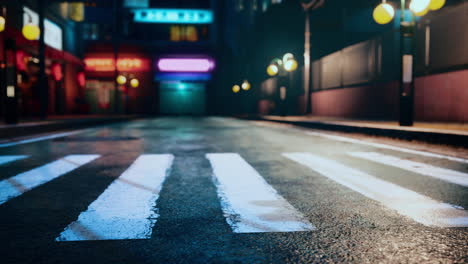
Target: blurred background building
{"type": "Point", "coordinates": [185, 56]}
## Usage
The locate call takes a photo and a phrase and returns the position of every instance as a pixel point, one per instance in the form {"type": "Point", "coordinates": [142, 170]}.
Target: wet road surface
{"type": "Point", "coordinates": [221, 190]}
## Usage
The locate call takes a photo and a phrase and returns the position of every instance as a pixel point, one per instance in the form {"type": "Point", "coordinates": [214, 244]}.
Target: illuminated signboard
{"type": "Point", "coordinates": [182, 76]}
{"type": "Point", "coordinates": [173, 16]}
{"type": "Point", "coordinates": [184, 33]}
{"type": "Point", "coordinates": [123, 64]}
{"type": "Point", "coordinates": [53, 34]}
{"type": "Point", "coordinates": [185, 65]}
{"type": "Point", "coordinates": [136, 3]}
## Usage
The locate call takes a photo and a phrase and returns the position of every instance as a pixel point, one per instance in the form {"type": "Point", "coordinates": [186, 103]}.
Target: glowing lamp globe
{"type": "Point", "coordinates": [290, 65]}
{"type": "Point", "coordinates": [31, 31]}
{"type": "Point", "coordinates": [121, 79]}
{"type": "Point", "coordinates": [383, 13]}
{"type": "Point", "coordinates": [272, 70]}
{"type": "Point", "coordinates": [287, 56]}
{"type": "Point", "coordinates": [236, 88]}
{"type": "Point", "coordinates": [419, 6]}
{"type": "Point", "coordinates": [2, 23]}
{"type": "Point", "coordinates": [422, 13]}
{"type": "Point", "coordinates": [436, 4]}
{"type": "Point", "coordinates": [246, 85]}
{"type": "Point", "coordinates": [134, 83]}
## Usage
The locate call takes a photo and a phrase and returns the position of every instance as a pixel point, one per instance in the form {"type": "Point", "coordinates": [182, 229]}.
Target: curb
{"type": "Point", "coordinates": [26, 129]}
{"type": "Point", "coordinates": [425, 136]}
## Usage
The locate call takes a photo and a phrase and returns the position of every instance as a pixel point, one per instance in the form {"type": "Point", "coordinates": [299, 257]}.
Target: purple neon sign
{"type": "Point", "coordinates": [185, 65]}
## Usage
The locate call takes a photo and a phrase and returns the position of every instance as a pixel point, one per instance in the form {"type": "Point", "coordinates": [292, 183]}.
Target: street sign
{"type": "Point", "coordinates": [173, 16]}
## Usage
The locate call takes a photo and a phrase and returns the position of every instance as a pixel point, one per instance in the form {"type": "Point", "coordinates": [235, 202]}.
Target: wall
{"type": "Point", "coordinates": [442, 97]}
{"type": "Point", "coordinates": [361, 81]}
{"type": "Point", "coordinates": [369, 101]}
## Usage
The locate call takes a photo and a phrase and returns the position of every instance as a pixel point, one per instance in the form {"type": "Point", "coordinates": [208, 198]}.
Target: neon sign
{"type": "Point", "coordinates": [123, 64]}
{"type": "Point", "coordinates": [173, 16]}
{"type": "Point", "coordinates": [182, 76]}
{"type": "Point", "coordinates": [185, 65]}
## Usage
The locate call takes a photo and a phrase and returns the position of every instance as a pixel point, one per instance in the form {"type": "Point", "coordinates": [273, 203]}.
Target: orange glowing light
{"type": "Point", "coordinates": [123, 64]}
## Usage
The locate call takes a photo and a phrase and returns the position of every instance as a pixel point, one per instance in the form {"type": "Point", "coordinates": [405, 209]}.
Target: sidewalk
{"type": "Point", "coordinates": [56, 123]}
{"type": "Point", "coordinates": [455, 134]}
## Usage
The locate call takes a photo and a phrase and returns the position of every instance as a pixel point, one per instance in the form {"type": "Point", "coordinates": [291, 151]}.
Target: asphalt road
{"type": "Point", "coordinates": [265, 193]}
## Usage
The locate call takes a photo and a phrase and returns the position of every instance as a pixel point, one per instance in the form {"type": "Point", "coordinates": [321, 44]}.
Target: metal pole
{"type": "Point", "coordinates": [307, 68]}
{"type": "Point", "coordinates": [116, 57]}
{"type": "Point", "coordinates": [42, 79]}
{"type": "Point", "coordinates": [3, 69]}
{"type": "Point", "coordinates": [406, 80]}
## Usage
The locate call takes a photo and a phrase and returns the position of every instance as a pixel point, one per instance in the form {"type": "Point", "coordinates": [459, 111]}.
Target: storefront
{"type": "Point", "coordinates": [134, 87]}
{"type": "Point", "coordinates": [64, 71]}
{"type": "Point", "coordinates": [183, 82]}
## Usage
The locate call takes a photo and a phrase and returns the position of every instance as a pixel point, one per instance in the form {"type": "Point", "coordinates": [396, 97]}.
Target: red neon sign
{"type": "Point", "coordinates": [123, 64]}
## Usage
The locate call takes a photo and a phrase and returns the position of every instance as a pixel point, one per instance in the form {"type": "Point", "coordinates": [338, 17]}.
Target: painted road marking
{"type": "Point", "coordinates": [11, 158]}
{"type": "Point", "coordinates": [420, 208]}
{"type": "Point", "coordinates": [126, 209]}
{"type": "Point", "coordinates": [36, 139]}
{"type": "Point", "coordinates": [23, 182]}
{"type": "Point", "coordinates": [249, 203]}
{"type": "Point", "coordinates": [385, 146]}
{"type": "Point", "coordinates": [417, 167]}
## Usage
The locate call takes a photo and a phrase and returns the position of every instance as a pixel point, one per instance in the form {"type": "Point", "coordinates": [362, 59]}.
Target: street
{"type": "Point", "coordinates": [223, 190]}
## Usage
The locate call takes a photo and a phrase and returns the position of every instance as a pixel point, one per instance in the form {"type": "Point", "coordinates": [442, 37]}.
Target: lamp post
{"type": "Point", "coordinates": [383, 14]}
{"type": "Point", "coordinates": [121, 80]}
{"type": "Point", "coordinates": [308, 6]}
{"type": "Point", "coordinates": [283, 67]}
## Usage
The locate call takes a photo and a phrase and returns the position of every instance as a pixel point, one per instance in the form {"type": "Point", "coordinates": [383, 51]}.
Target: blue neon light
{"type": "Point", "coordinates": [183, 77]}
{"type": "Point", "coordinates": [173, 16]}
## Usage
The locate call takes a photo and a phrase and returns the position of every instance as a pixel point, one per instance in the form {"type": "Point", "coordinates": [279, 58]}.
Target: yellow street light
{"type": "Point", "coordinates": [422, 13]}
{"type": "Point", "coordinates": [287, 57]}
{"type": "Point", "coordinates": [134, 82]}
{"type": "Point", "coordinates": [290, 65]}
{"type": "Point", "coordinates": [121, 79]}
{"type": "Point", "coordinates": [246, 85]}
{"type": "Point", "coordinates": [419, 6]}
{"type": "Point", "coordinates": [383, 13]}
{"type": "Point", "coordinates": [31, 31]}
{"type": "Point", "coordinates": [272, 70]}
{"type": "Point", "coordinates": [236, 88]}
{"type": "Point", "coordinates": [436, 4]}
{"type": "Point", "coordinates": [2, 24]}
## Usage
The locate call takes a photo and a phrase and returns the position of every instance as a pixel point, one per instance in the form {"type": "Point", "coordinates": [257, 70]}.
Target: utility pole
{"type": "Point", "coordinates": [115, 44]}
{"type": "Point", "coordinates": [308, 6]}
{"type": "Point", "coordinates": [407, 60]}
{"type": "Point", "coordinates": [42, 78]}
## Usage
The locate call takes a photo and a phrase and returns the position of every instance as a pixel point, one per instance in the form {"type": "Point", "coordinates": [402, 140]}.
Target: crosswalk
{"type": "Point", "coordinates": [128, 207]}
{"type": "Point", "coordinates": [23, 182]}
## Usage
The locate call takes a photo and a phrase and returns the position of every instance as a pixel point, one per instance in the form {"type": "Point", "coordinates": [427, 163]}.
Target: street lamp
{"type": "Point", "coordinates": [31, 31]}
{"type": "Point", "coordinates": [134, 82]}
{"type": "Point", "coordinates": [384, 14]}
{"type": "Point", "coordinates": [121, 79]}
{"type": "Point", "coordinates": [283, 67]}
{"type": "Point", "coordinates": [2, 23]}
{"type": "Point", "coordinates": [245, 85]}
{"type": "Point", "coordinates": [236, 88]}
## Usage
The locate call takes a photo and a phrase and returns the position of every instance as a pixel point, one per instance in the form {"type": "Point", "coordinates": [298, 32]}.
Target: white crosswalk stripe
{"type": "Point", "coordinates": [406, 202]}
{"type": "Point", "coordinates": [249, 203]}
{"type": "Point", "coordinates": [386, 146]}
{"type": "Point", "coordinates": [11, 158]}
{"type": "Point", "coordinates": [23, 182]}
{"type": "Point", "coordinates": [417, 167]}
{"type": "Point", "coordinates": [126, 209]}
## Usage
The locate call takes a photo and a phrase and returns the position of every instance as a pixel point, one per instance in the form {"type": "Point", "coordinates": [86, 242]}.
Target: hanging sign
{"type": "Point", "coordinates": [173, 16]}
